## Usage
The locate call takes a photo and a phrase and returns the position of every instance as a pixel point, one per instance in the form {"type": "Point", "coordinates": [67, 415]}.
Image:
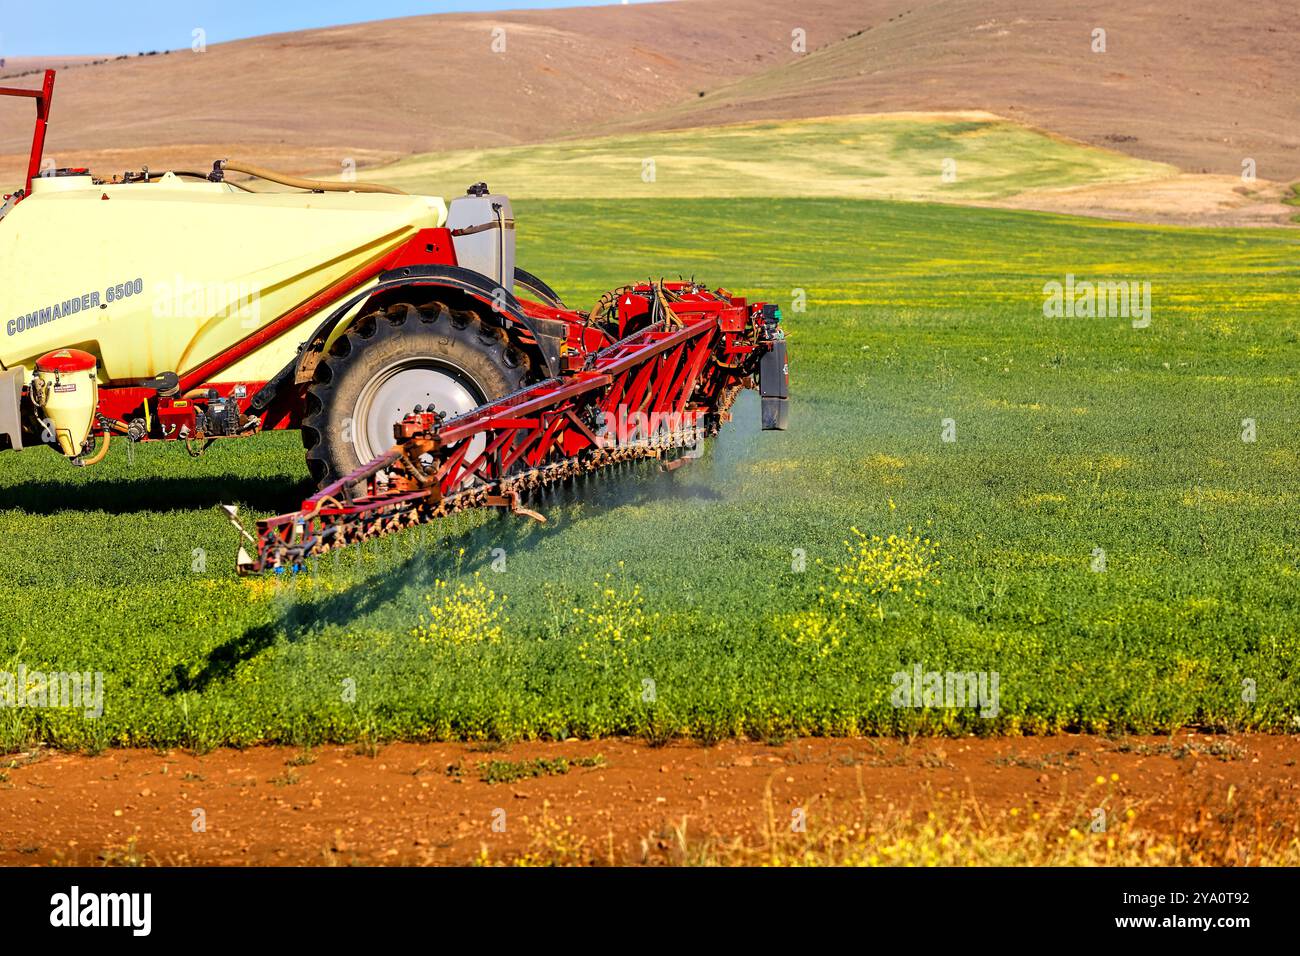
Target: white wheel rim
{"type": "Point", "coordinates": [397, 389]}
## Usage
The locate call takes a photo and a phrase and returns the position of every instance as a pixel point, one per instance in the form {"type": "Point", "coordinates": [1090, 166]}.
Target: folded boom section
{"type": "Point", "coordinates": [657, 392]}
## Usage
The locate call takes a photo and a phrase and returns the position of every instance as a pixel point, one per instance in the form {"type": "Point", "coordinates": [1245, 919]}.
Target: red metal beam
{"type": "Point", "coordinates": [450, 466]}
{"type": "Point", "coordinates": [472, 423]}
{"type": "Point", "coordinates": [667, 374]}
{"type": "Point", "coordinates": [690, 376]}
{"type": "Point", "coordinates": [492, 448]}
{"type": "Point", "coordinates": [538, 454]}
{"type": "Point", "coordinates": [522, 439]}
{"type": "Point", "coordinates": [43, 97]}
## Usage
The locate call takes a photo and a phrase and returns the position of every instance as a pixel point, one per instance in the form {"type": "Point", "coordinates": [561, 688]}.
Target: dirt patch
{"type": "Point", "coordinates": [1183, 200]}
{"type": "Point", "coordinates": [622, 801]}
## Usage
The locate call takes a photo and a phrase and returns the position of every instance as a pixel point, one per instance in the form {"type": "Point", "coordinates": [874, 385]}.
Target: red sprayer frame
{"type": "Point", "coordinates": [648, 374]}
{"type": "Point", "coordinates": [656, 393]}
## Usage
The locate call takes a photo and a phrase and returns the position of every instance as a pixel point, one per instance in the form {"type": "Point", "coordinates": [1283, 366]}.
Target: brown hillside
{"type": "Point", "coordinates": [384, 89]}
{"type": "Point", "coordinates": [1194, 83]}
{"type": "Point", "coordinates": [1200, 84]}
{"type": "Point", "coordinates": [16, 69]}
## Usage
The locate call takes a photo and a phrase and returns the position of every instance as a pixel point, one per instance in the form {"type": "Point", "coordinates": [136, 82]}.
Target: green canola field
{"type": "Point", "coordinates": [1103, 516]}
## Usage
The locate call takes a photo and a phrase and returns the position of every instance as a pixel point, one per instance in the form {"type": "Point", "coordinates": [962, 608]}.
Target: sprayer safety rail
{"type": "Point", "coordinates": [656, 393]}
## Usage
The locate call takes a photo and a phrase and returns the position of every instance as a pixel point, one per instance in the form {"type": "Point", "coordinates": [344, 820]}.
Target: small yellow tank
{"type": "Point", "coordinates": [65, 393]}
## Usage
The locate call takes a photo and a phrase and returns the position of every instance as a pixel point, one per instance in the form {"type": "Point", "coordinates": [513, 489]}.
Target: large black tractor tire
{"type": "Point", "coordinates": [388, 362]}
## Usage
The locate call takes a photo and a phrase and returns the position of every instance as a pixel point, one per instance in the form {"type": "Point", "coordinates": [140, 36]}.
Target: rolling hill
{"type": "Point", "coordinates": [1195, 87]}
{"type": "Point", "coordinates": [1194, 83]}
{"type": "Point", "coordinates": [380, 90]}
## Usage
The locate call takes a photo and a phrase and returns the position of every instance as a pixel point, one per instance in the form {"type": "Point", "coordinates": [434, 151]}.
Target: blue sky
{"type": "Point", "coordinates": [81, 27]}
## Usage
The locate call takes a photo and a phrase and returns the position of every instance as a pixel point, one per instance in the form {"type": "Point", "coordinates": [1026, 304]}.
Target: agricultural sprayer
{"type": "Point", "coordinates": [426, 372]}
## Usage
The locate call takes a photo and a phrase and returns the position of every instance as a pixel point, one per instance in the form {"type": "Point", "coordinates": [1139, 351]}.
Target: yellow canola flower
{"type": "Point", "coordinates": [615, 621]}
{"type": "Point", "coordinates": [466, 614]}
{"type": "Point", "coordinates": [899, 564]}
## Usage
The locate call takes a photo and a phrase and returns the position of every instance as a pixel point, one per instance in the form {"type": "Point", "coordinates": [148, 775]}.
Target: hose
{"type": "Point", "coordinates": [198, 452]}
{"type": "Point", "coordinates": [284, 179]}
{"type": "Point", "coordinates": [193, 175]}
{"type": "Point", "coordinates": [670, 318]}
{"type": "Point", "coordinates": [96, 458]}
{"type": "Point", "coordinates": [109, 425]}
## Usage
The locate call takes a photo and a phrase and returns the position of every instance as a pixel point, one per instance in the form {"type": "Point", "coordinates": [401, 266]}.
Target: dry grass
{"type": "Point", "coordinates": [1230, 832]}
{"type": "Point", "coordinates": [883, 156]}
